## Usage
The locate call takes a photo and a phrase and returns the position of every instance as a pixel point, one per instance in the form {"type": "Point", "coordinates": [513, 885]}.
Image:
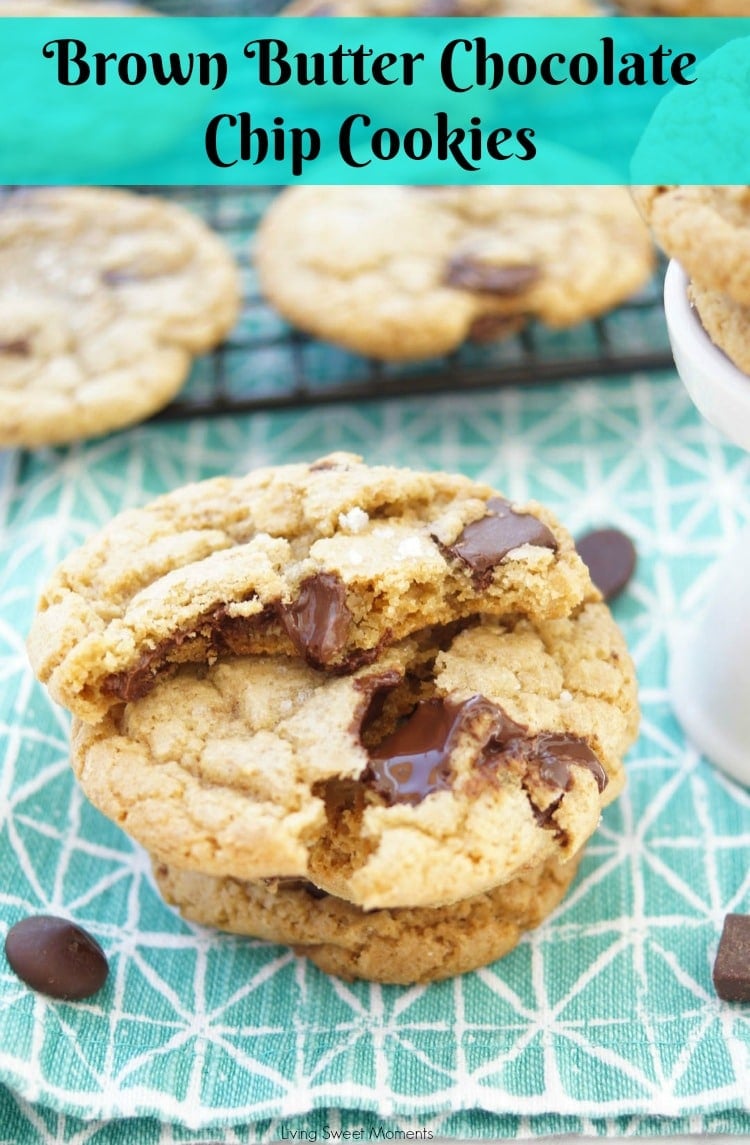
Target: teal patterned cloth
{"type": "Point", "coordinates": [603, 1021]}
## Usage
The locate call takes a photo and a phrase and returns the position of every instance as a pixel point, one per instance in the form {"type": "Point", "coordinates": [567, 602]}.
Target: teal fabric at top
{"type": "Point", "coordinates": [420, 101]}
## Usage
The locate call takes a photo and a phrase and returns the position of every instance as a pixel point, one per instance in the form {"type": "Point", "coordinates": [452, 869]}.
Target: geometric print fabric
{"type": "Point", "coordinates": [603, 1020]}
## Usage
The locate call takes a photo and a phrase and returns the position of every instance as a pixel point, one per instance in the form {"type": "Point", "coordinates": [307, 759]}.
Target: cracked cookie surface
{"type": "Point", "coordinates": [706, 229]}
{"type": "Point", "coordinates": [332, 561]}
{"type": "Point", "coordinates": [105, 298]}
{"type": "Point", "coordinates": [404, 946]}
{"type": "Point", "coordinates": [411, 272]}
{"type": "Point", "coordinates": [461, 759]}
{"type": "Point", "coordinates": [726, 322]}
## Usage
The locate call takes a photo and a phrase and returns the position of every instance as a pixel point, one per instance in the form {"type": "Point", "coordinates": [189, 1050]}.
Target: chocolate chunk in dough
{"type": "Point", "coordinates": [483, 543]}
{"type": "Point", "coordinates": [469, 273]}
{"type": "Point", "coordinates": [318, 621]}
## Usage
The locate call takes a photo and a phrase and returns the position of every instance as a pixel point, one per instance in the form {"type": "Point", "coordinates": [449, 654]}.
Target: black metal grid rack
{"type": "Point", "coordinates": [265, 364]}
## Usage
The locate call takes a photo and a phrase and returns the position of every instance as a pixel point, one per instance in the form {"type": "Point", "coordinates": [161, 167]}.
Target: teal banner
{"type": "Point", "coordinates": [418, 101]}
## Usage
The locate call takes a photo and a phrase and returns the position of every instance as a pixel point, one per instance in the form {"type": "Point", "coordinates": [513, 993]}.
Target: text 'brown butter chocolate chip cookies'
{"type": "Point", "coordinates": [105, 298]}
{"type": "Point", "coordinates": [395, 686]}
{"type": "Point", "coordinates": [411, 272]}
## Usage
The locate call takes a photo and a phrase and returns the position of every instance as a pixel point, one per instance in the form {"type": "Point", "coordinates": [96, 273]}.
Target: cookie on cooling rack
{"type": "Point", "coordinates": [407, 945]}
{"type": "Point", "coordinates": [105, 298]}
{"type": "Point", "coordinates": [87, 8]}
{"type": "Point", "coordinates": [687, 7]}
{"type": "Point", "coordinates": [442, 8]}
{"type": "Point", "coordinates": [411, 272]}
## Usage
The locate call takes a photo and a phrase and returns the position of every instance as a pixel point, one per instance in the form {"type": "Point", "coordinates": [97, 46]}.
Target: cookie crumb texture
{"type": "Point", "coordinates": [332, 562]}
{"type": "Point", "coordinates": [408, 273]}
{"type": "Point", "coordinates": [399, 946]}
{"type": "Point", "coordinates": [105, 298]}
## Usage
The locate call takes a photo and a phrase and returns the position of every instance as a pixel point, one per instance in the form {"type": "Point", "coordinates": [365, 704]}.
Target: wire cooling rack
{"type": "Point", "coordinates": [265, 364]}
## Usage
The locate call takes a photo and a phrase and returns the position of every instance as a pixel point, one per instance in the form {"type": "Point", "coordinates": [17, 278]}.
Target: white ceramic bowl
{"type": "Point", "coordinates": [720, 391]}
{"type": "Point", "coordinates": [710, 663]}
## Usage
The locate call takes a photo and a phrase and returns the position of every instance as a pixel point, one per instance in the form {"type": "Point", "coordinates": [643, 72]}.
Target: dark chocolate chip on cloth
{"type": "Point", "coordinates": [731, 973]}
{"type": "Point", "coordinates": [56, 957]}
{"type": "Point", "coordinates": [610, 557]}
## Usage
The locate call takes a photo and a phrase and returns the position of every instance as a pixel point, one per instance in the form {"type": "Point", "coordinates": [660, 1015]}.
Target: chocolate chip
{"type": "Point", "coordinates": [118, 277]}
{"type": "Point", "coordinates": [438, 8]}
{"type": "Point", "coordinates": [414, 761]}
{"type": "Point", "coordinates": [494, 327]}
{"type": "Point", "coordinates": [17, 348]}
{"type": "Point", "coordinates": [611, 558]}
{"type": "Point", "coordinates": [467, 273]}
{"type": "Point", "coordinates": [484, 543]}
{"type": "Point", "coordinates": [554, 752]}
{"type": "Point", "coordinates": [56, 957]}
{"type": "Point", "coordinates": [317, 622]}
{"type": "Point", "coordinates": [732, 965]}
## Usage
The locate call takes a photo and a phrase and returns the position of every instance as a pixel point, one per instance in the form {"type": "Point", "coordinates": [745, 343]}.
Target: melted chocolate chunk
{"type": "Point", "coordinates": [376, 689]}
{"type": "Point", "coordinates": [56, 957]}
{"type": "Point", "coordinates": [317, 622]}
{"type": "Point", "coordinates": [415, 760]}
{"type": "Point", "coordinates": [467, 273]}
{"type": "Point", "coordinates": [17, 348]}
{"type": "Point", "coordinates": [610, 557]}
{"type": "Point", "coordinates": [484, 543]}
{"type": "Point", "coordinates": [303, 885]}
{"type": "Point", "coordinates": [554, 752]}
{"type": "Point", "coordinates": [732, 966]}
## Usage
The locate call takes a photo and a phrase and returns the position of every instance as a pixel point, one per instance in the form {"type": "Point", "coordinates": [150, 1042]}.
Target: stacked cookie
{"type": "Point", "coordinates": [368, 712]}
{"type": "Point", "coordinates": [707, 230]}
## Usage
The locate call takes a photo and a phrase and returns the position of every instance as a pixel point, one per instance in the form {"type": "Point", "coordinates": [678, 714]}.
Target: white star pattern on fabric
{"type": "Point", "coordinates": [605, 1012]}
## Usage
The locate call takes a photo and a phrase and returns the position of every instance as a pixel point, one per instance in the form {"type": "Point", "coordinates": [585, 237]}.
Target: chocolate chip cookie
{"type": "Point", "coordinates": [687, 7]}
{"type": "Point", "coordinates": [411, 272]}
{"type": "Point", "coordinates": [442, 8]}
{"type": "Point", "coordinates": [460, 759]}
{"type": "Point", "coordinates": [707, 230]}
{"type": "Point", "coordinates": [411, 944]}
{"type": "Point", "coordinates": [726, 322]}
{"type": "Point", "coordinates": [86, 8]}
{"type": "Point", "coordinates": [105, 298]}
{"type": "Point", "coordinates": [330, 562]}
